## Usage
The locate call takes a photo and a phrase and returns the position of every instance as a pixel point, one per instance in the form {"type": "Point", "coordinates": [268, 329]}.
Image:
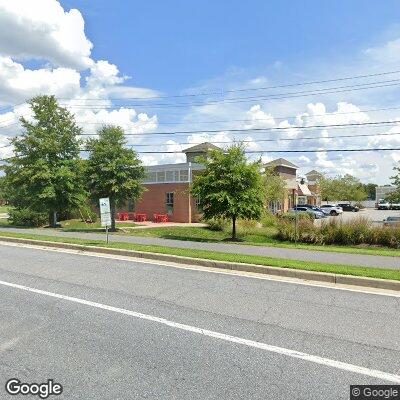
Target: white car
{"type": "Point", "coordinates": [331, 209]}
{"type": "Point", "coordinates": [383, 205]}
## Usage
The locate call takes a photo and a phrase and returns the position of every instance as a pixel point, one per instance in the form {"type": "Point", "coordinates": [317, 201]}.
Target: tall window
{"type": "Point", "coordinates": [169, 202]}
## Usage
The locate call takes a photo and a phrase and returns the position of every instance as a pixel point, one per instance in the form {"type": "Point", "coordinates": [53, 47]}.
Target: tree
{"type": "Point", "coordinates": [229, 187]}
{"type": "Point", "coordinates": [112, 170]}
{"type": "Point", "coordinates": [45, 173]}
{"type": "Point", "coordinates": [345, 187]}
{"type": "Point", "coordinates": [370, 189]}
{"type": "Point", "coordinates": [275, 186]}
{"type": "Point", "coordinates": [394, 197]}
{"type": "Point", "coordinates": [329, 188]}
{"type": "Point", "coordinates": [351, 189]}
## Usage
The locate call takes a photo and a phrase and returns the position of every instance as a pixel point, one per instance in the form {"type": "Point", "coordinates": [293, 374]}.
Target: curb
{"type": "Point", "coordinates": [260, 269]}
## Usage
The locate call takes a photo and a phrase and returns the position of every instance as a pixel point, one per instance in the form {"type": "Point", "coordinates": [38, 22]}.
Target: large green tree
{"type": "Point", "coordinates": [45, 173]}
{"type": "Point", "coordinates": [345, 187]}
{"type": "Point", "coordinates": [230, 187]}
{"type": "Point", "coordinates": [112, 170]}
{"type": "Point", "coordinates": [274, 186]}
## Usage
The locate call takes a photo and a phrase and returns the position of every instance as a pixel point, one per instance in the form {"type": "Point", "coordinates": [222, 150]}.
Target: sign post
{"type": "Point", "coordinates": [105, 214]}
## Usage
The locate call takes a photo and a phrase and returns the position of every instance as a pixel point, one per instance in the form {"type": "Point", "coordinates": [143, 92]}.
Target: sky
{"type": "Point", "coordinates": [214, 71]}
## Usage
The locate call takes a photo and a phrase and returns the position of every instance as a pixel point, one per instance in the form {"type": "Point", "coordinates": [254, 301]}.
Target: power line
{"type": "Point", "coordinates": [263, 140]}
{"type": "Point", "coordinates": [221, 92]}
{"type": "Point", "coordinates": [279, 96]}
{"type": "Point", "coordinates": [275, 140]}
{"type": "Point", "coordinates": [285, 151]}
{"type": "Point", "coordinates": [244, 131]}
{"type": "Point", "coordinates": [233, 120]}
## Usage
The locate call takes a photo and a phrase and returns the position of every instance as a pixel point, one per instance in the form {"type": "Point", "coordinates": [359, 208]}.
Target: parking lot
{"type": "Point", "coordinates": [376, 216]}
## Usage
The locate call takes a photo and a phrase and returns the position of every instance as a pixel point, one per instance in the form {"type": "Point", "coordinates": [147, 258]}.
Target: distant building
{"type": "Point", "coordinates": [381, 192]}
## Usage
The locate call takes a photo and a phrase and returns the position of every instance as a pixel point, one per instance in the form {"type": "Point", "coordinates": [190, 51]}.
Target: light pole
{"type": "Point", "coordinates": [296, 213]}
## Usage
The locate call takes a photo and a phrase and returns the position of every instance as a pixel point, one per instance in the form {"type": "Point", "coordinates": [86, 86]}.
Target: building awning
{"type": "Point", "coordinates": [305, 191]}
{"type": "Point", "coordinates": [291, 184]}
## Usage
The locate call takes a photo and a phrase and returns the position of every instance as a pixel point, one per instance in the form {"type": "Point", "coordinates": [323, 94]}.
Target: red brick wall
{"type": "Point", "coordinates": [153, 201]}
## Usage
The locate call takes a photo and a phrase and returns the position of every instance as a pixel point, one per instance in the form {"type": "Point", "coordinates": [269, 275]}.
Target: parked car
{"type": "Point", "coordinates": [348, 207]}
{"type": "Point", "coordinates": [383, 205]}
{"type": "Point", "coordinates": [302, 209]}
{"type": "Point", "coordinates": [315, 208]}
{"type": "Point", "coordinates": [331, 209]}
{"type": "Point", "coordinates": [395, 206]}
{"type": "Point", "coordinates": [391, 221]}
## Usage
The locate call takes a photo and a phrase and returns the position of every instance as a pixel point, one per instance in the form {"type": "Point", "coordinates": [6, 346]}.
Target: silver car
{"type": "Point", "coordinates": [391, 221]}
{"type": "Point", "coordinates": [331, 209]}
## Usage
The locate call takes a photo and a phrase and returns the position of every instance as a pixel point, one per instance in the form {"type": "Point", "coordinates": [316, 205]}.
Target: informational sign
{"type": "Point", "coordinates": [105, 212]}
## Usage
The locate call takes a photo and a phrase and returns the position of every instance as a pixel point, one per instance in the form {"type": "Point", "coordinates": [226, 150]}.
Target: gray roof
{"type": "Point", "coordinates": [201, 148]}
{"type": "Point", "coordinates": [281, 162]}
{"type": "Point", "coordinates": [313, 172]}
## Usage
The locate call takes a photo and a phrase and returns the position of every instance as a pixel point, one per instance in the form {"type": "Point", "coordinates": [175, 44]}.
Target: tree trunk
{"type": "Point", "coordinates": [113, 214]}
{"type": "Point", "coordinates": [53, 219]}
{"type": "Point", "coordinates": [234, 227]}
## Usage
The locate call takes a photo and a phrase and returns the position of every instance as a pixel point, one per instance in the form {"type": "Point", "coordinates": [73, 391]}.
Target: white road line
{"type": "Point", "coordinates": [210, 270]}
{"type": "Point", "coordinates": [234, 339]}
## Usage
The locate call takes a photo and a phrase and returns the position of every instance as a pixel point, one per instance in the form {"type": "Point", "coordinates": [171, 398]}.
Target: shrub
{"type": "Point", "coordinates": [27, 217]}
{"type": "Point", "coordinates": [217, 224]}
{"type": "Point", "coordinates": [268, 219]}
{"type": "Point", "coordinates": [355, 232]}
{"type": "Point", "coordinates": [247, 226]}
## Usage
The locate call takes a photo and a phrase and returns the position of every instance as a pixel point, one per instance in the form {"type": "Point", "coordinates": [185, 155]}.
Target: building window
{"type": "Point", "coordinates": [275, 206]}
{"type": "Point", "coordinates": [169, 176]}
{"type": "Point", "coordinates": [170, 202]}
{"type": "Point", "coordinates": [161, 176]}
{"type": "Point", "coordinates": [197, 202]}
{"type": "Point", "coordinates": [184, 175]}
{"type": "Point", "coordinates": [151, 177]}
{"type": "Point", "coordinates": [302, 200]}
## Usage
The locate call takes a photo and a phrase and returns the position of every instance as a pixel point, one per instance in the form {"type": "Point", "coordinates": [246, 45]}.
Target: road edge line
{"type": "Point", "coordinates": [327, 277]}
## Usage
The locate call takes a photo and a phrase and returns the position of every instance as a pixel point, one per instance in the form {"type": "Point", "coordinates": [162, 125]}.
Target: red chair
{"type": "Point", "coordinates": [124, 216]}
{"type": "Point", "coordinates": [131, 216]}
{"type": "Point", "coordinates": [141, 217]}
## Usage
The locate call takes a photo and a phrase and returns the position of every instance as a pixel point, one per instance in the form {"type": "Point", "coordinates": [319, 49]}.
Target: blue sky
{"type": "Point", "coordinates": [90, 53]}
{"type": "Point", "coordinates": [173, 45]}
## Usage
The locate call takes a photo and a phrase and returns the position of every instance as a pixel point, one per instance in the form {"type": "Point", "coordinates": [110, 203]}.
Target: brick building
{"type": "Point", "coordinates": [168, 187]}
{"type": "Point", "coordinates": [299, 190]}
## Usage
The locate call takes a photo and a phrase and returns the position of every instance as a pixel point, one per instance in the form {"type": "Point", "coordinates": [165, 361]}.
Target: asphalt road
{"type": "Point", "coordinates": [361, 260]}
{"type": "Point", "coordinates": [221, 336]}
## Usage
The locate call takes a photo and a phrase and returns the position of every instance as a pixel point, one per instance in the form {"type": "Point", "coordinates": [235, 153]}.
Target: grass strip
{"type": "Point", "coordinates": [264, 238]}
{"type": "Point", "coordinates": [219, 256]}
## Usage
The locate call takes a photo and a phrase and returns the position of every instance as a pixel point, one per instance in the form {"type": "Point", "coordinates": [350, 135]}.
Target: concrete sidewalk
{"type": "Point", "coordinates": [361, 260]}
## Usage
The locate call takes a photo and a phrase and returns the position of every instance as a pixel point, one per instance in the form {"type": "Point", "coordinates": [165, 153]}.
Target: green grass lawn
{"type": "Point", "coordinates": [252, 236]}
{"type": "Point", "coordinates": [255, 236]}
{"type": "Point", "coordinates": [220, 256]}
{"type": "Point", "coordinates": [4, 209]}
{"type": "Point", "coordinates": [76, 225]}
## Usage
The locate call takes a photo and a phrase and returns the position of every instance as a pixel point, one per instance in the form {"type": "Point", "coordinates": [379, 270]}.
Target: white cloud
{"type": "Point", "coordinates": [304, 160]}
{"type": "Point", "coordinates": [103, 73]}
{"type": "Point", "coordinates": [395, 157]}
{"type": "Point", "coordinates": [258, 118]}
{"type": "Point", "coordinates": [346, 113]}
{"type": "Point", "coordinates": [388, 53]}
{"type": "Point", "coordinates": [18, 84]}
{"type": "Point", "coordinates": [41, 29]}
